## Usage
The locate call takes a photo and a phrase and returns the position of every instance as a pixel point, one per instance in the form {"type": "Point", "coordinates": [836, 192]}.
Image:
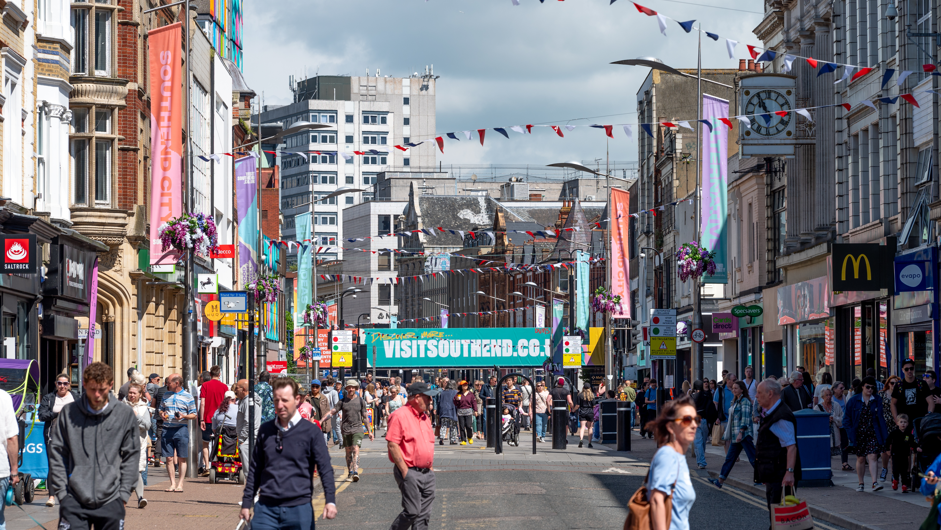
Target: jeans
{"type": "Point", "coordinates": [299, 517]}
{"type": "Point", "coordinates": [336, 430]}
{"type": "Point", "coordinates": [699, 444]}
{"type": "Point", "coordinates": [844, 445]}
{"type": "Point", "coordinates": [735, 449]}
{"type": "Point", "coordinates": [541, 419]}
{"type": "Point", "coordinates": [596, 430]}
{"type": "Point", "coordinates": [4, 485]}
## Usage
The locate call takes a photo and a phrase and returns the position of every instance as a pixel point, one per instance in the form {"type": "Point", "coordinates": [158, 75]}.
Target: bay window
{"type": "Point", "coordinates": [93, 151]}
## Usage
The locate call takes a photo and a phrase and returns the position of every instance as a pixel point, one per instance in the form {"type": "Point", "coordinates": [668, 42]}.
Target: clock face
{"type": "Point", "coordinates": [768, 102]}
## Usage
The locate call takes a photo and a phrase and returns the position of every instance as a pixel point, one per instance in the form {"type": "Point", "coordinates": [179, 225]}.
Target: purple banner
{"type": "Point", "coordinates": [715, 171]}
{"type": "Point", "coordinates": [92, 310]}
{"type": "Point", "coordinates": [246, 193]}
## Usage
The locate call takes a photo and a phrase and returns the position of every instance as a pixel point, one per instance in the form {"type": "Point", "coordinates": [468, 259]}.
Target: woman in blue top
{"type": "Point", "coordinates": [865, 427]}
{"type": "Point", "coordinates": [674, 430]}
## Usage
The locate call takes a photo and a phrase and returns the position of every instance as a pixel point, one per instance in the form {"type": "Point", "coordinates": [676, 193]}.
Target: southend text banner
{"type": "Point", "coordinates": [460, 347]}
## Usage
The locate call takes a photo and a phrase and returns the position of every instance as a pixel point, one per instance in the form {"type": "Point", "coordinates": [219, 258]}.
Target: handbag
{"type": "Point", "coordinates": [717, 435]}
{"type": "Point", "coordinates": [791, 516]}
{"type": "Point", "coordinates": [638, 507]}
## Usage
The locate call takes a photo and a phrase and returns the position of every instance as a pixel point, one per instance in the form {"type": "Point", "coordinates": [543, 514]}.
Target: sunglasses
{"type": "Point", "coordinates": [62, 383]}
{"type": "Point", "coordinates": [686, 421]}
{"type": "Point", "coordinates": [868, 387]}
{"type": "Point", "coordinates": [909, 369]}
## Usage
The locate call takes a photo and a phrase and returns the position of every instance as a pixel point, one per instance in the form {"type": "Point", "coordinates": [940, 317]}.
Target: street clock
{"type": "Point", "coordinates": [768, 101]}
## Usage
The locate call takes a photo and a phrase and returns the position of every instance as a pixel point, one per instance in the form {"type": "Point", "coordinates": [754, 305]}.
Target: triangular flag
{"type": "Point", "coordinates": [687, 26]}
{"type": "Point", "coordinates": [827, 68]}
{"type": "Point", "coordinates": [847, 71]}
{"type": "Point", "coordinates": [646, 128]}
{"type": "Point", "coordinates": [440, 142]}
{"type": "Point", "coordinates": [887, 75]}
{"type": "Point", "coordinates": [712, 36]}
{"type": "Point", "coordinates": [745, 121]}
{"type": "Point", "coordinates": [529, 129]}
{"type": "Point", "coordinates": [557, 130]}
{"type": "Point", "coordinates": [860, 73]}
{"type": "Point", "coordinates": [890, 101]}
{"type": "Point", "coordinates": [788, 61]}
{"type": "Point", "coordinates": [400, 148]}
{"type": "Point", "coordinates": [812, 62]}
{"type": "Point", "coordinates": [453, 136]}
{"type": "Point", "coordinates": [730, 45]}
{"type": "Point", "coordinates": [782, 113]}
{"type": "Point", "coordinates": [752, 51]}
{"type": "Point", "coordinates": [805, 113]}
{"type": "Point", "coordinates": [726, 121]}
{"type": "Point", "coordinates": [910, 98]}
{"type": "Point", "coordinates": [627, 131]}
{"type": "Point", "coordinates": [645, 10]}
{"type": "Point", "coordinates": [517, 128]}
{"type": "Point", "coordinates": [928, 68]}
{"type": "Point", "coordinates": [902, 77]}
{"type": "Point", "coordinates": [481, 133]}
{"type": "Point", "coordinates": [570, 128]}
{"type": "Point", "coordinates": [868, 104]}
{"type": "Point", "coordinates": [609, 130]}
{"type": "Point", "coordinates": [766, 117]}
{"type": "Point", "coordinates": [845, 106]}
{"type": "Point", "coordinates": [668, 124]}
{"type": "Point", "coordinates": [685, 125]}
{"type": "Point", "coordinates": [662, 21]}
{"type": "Point", "coordinates": [767, 57]}
{"type": "Point", "coordinates": [502, 131]}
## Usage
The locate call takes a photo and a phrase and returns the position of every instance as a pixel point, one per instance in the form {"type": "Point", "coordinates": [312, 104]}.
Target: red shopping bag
{"type": "Point", "coordinates": [791, 517]}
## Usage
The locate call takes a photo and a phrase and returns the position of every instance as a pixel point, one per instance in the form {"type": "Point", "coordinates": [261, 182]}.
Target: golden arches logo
{"type": "Point", "coordinates": [856, 262]}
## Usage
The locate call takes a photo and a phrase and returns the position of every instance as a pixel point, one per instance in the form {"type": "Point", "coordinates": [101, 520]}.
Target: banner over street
{"type": "Point", "coordinates": [459, 347]}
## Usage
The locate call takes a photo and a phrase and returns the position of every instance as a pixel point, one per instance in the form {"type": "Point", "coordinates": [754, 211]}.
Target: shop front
{"type": "Point", "coordinates": [915, 315]}
{"type": "Point", "coordinates": [804, 313]}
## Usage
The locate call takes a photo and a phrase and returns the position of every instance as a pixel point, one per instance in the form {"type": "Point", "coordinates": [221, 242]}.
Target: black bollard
{"type": "Point", "coordinates": [560, 421]}
{"type": "Point", "coordinates": [624, 426]}
{"type": "Point", "coordinates": [491, 404]}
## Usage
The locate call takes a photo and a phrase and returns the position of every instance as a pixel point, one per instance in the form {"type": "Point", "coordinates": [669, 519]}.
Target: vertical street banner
{"type": "Point", "coordinates": [582, 281]}
{"type": "Point", "coordinates": [540, 316]}
{"type": "Point", "coordinates": [166, 135]}
{"type": "Point", "coordinates": [444, 318]}
{"type": "Point", "coordinates": [92, 314]}
{"type": "Point", "coordinates": [558, 311]}
{"type": "Point", "coordinates": [715, 176]}
{"type": "Point", "coordinates": [620, 251]}
{"type": "Point", "coordinates": [246, 191]}
{"type": "Point", "coordinates": [302, 223]}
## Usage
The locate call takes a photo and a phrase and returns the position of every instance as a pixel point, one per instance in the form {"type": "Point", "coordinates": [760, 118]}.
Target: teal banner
{"type": "Point", "coordinates": [460, 347]}
{"type": "Point", "coordinates": [304, 264]}
{"type": "Point", "coordinates": [582, 281]}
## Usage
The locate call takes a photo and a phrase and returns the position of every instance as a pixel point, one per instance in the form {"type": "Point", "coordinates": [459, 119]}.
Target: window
{"type": "Point", "coordinates": [80, 171]}
{"type": "Point", "coordinates": [328, 179]}
{"type": "Point", "coordinates": [385, 224]}
{"type": "Point", "coordinates": [404, 121]}
{"type": "Point", "coordinates": [314, 138]}
{"type": "Point", "coordinates": [349, 118]}
{"type": "Point", "coordinates": [375, 139]}
{"type": "Point", "coordinates": [328, 239]}
{"type": "Point", "coordinates": [328, 118]}
{"type": "Point", "coordinates": [405, 100]}
{"type": "Point", "coordinates": [406, 162]}
{"type": "Point", "coordinates": [103, 121]}
{"type": "Point", "coordinates": [102, 42]}
{"type": "Point", "coordinates": [349, 138]}
{"type": "Point", "coordinates": [382, 120]}
{"type": "Point", "coordinates": [102, 170]}
{"type": "Point", "coordinates": [349, 179]}
{"type": "Point", "coordinates": [349, 199]}
{"type": "Point", "coordinates": [925, 166]}
{"type": "Point", "coordinates": [370, 119]}
{"type": "Point", "coordinates": [80, 120]}
{"type": "Point", "coordinates": [41, 150]}
{"type": "Point", "coordinates": [314, 117]}
{"type": "Point", "coordinates": [80, 36]}
{"type": "Point", "coordinates": [779, 228]}
{"type": "Point", "coordinates": [385, 294]}
{"type": "Point", "coordinates": [752, 253]}
{"type": "Point", "coordinates": [406, 140]}
{"type": "Point", "coordinates": [328, 138]}
{"type": "Point", "coordinates": [92, 151]}
{"type": "Point", "coordinates": [369, 179]}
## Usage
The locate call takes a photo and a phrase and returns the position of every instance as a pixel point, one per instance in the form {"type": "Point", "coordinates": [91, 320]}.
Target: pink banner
{"type": "Point", "coordinates": [92, 314]}
{"type": "Point", "coordinates": [620, 255]}
{"type": "Point", "coordinates": [166, 136]}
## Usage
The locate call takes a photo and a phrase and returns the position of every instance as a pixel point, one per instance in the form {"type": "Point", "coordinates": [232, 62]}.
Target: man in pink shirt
{"type": "Point", "coordinates": [411, 443]}
{"type": "Point", "coordinates": [211, 395]}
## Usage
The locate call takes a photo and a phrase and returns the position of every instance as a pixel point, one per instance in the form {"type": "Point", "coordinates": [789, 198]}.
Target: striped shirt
{"type": "Point", "coordinates": [181, 402]}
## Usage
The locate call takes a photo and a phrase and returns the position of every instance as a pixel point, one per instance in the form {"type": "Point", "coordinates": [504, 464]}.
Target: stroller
{"type": "Point", "coordinates": [226, 460]}
{"type": "Point", "coordinates": [928, 437]}
{"type": "Point", "coordinates": [511, 429]}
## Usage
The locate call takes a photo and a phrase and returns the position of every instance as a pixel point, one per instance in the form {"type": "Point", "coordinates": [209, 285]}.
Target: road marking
{"type": "Point", "coordinates": [320, 501]}
{"type": "Point", "coordinates": [616, 470]}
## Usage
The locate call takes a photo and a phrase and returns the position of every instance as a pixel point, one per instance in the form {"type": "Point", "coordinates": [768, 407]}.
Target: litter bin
{"type": "Point", "coordinates": [609, 421]}
{"type": "Point", "coordinates": [813, 447]}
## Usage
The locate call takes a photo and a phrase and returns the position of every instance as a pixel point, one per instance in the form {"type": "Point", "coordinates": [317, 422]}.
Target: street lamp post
{"type": "Point", "coordinates": [656, 64]}
{"type": "Point", "coordinates": [481, 293]}
{"type": "Point", "coordinates": [528, 299]}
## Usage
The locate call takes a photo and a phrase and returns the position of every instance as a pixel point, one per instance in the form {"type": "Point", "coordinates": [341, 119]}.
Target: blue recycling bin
{"type": "Point", "coordinates": [813, 447]}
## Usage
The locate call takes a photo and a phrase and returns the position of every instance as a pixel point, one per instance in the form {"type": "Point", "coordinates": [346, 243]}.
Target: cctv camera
{"type": "Point", "coordinates": [891, 12]}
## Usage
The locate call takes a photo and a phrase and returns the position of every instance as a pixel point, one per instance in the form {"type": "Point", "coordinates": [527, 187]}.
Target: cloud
{"type": "Point", "coordinates": [500, 65]}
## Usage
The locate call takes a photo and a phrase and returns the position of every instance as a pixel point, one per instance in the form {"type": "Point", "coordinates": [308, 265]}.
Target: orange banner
{"type": "Point", "coordinates": [166, 135]}
{"type": "Point", "coordinates": [620, 254]}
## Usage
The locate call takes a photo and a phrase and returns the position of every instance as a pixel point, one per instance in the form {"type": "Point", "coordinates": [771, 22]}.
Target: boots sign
{"type": "Point", "coordinates": [19, 254]}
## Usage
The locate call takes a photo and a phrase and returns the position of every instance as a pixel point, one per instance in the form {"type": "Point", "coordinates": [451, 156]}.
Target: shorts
{"type": "Point", "coordinates": [207, 433]}
{"type": "Point", "coordinates": [350, 440]}
{"type": "Point", "coordinates": [176, 437]}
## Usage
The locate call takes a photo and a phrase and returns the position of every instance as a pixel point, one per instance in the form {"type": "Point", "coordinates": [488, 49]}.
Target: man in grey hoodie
{"type": "Point", "coordinates": [94, 452]}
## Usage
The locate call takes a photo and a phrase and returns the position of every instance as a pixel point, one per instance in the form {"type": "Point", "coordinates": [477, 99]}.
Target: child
{"type": "Point", "coordinates": [901, 442]}
{"type": "Point", "coordinates": [506, 415]}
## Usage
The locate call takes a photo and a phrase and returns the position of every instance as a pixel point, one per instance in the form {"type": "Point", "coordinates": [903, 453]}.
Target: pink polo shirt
{"type": "Point", "coordinates": [411, 431]}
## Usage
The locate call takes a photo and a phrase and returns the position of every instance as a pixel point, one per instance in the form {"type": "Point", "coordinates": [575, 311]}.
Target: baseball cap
{"type": "Point", "coordinates": [315, 382]}
{"type": "Point", "coordinates": [230, 394]}
{"type": "Point", "coordinates": [153, 376]}
{"type": "Point", "coordinates": [560, 381]}
{"type": "Point", "coordinates": [352, 382]}
{"type": "Point", "coordinates": [908, 361]}
{"type": "Point", "coordinates": [421, 387]}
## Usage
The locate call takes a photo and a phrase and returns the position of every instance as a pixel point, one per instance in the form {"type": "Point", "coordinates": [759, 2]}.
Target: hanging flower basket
{"type": "Point", "coordinates": [694, 261]}
{"type": "Point", "coordinates": [603, 301]}
{"type": "Point", "coordinates": [316, 314]}
{"type": "Point", "coordinates": [190, 232]}
{"type": "Point", "coordinates": [266, 288]}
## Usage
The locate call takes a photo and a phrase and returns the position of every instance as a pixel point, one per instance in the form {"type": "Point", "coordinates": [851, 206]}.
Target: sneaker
{"type": "Point", "coordinates": [702, 466]}
{"type": "Point", "coordinates": [861, 488]}
{"type": "Point", "coordinates": [876, 486]}
{"type": "Point", "coordinates": [541, 439]}
{"type": "Point", "coordinates": [471, 441]}
{"type": "Point", "coordinates": [904, 488]}
{"type": "Point", "coordinates": [141, 504]}
{"type": "Point", "coordinates": [355, 477]}
{"type": "Point", "coordinates": [463, 443]}
{"type": "Point", "coordinates": [895, 485]}
{"type": "Point", "coordinates": [883, 474]}
{"type": "Point", "coordinates": [441, 441]}
{"type": "Point", "coordinates": [589, 445]}
{"type": "Point", "coordinates": [51, 502]}
{"type": "Point", "coordinates": [715, 482]}
{"type": "Point", "coordinates": [579, 445]}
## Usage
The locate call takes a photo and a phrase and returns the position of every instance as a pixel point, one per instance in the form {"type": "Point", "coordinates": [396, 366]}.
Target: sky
{"type": "Point", "coordinates": [499, 64]}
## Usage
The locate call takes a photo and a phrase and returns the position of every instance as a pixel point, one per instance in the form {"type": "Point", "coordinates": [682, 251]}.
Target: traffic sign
{"type": "Point", "coordinates": [315, 354]}
{"type": "Point", "coordinates": [343, 360]}
{"type": "Point", "coordinates": [572, 351]}
{"type": "Point", "coordinates": [341, 341]}
{"type": "Point", "coordinates": [698, 335]}
{"type": "Point", "coordinates": [663, 312]}
{"type": "Point", "coordinates": [212, 311]}
{"type": "Point", "coordinates": [663, 330]}
{"type": "Point", "coordinates": [233, 301]}
{"type": "Point", "coordinates": [663, 348]}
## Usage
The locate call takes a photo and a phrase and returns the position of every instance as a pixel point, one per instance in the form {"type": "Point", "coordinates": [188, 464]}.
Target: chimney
{"type": "Point", "coordinates": [758, 67]}
{"type": "Point", "coordinates": [741, 65]}
{"type": "Point", "coordinates": [751, 65]}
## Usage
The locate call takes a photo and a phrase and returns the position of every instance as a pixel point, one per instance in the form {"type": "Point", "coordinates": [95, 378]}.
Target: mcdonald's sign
{"type": "Point", "coordinates": [863, 267]}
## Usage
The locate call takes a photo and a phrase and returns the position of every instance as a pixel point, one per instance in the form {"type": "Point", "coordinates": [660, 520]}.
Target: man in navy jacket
{"type": "Point", "coordinates": [285, 456]}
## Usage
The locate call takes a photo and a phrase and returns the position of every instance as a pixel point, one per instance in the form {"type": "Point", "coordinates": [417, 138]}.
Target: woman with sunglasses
{"type": "Point", "coordinates": [840, 397]}
{"type": "Point", "coordinates": [49, 409]}
{"type": "Point", "coordinates": [739, 431]}
{"type": "Point", "coordinates": [886, 396]}
{"type": "Point", "coordinates": [864, 421]}
{"type": "Point", "coordinates": [674, 429]}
